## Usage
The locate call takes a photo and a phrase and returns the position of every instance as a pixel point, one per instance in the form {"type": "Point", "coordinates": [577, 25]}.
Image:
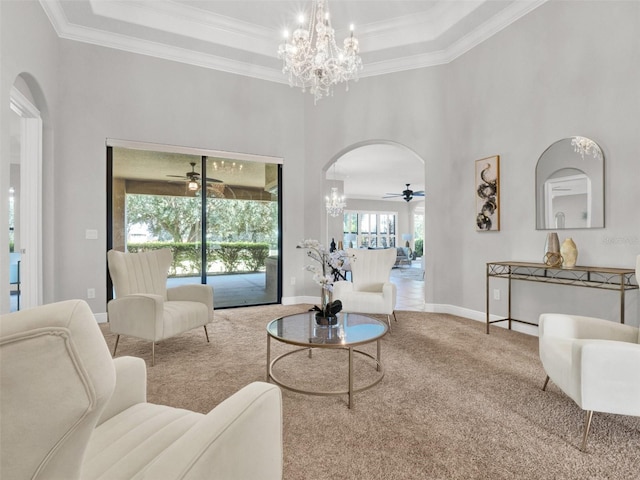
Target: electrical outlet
{"type": "Point", "coordinates": [91, 293]}
{"type": "Point", "coordinates": [496, 294]}
{"type": "Point", "coordinates": [293, 280]}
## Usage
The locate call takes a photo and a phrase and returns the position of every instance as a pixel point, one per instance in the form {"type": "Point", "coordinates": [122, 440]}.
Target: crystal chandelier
{"type": "Point", "coordinates": [313, 60]}
{"type": "Point", "coordinates": [585, 146]}
{"type": "Point", "coordinates": [227, 167]}
{"type": "Point", "coordinates": [335, 203]}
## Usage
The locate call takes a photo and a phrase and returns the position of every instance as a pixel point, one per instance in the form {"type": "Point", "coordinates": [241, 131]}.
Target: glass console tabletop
{"type": "Point", "coordinates": [351, 331]}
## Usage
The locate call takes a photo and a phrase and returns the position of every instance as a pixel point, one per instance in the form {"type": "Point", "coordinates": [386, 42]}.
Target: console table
{"type": "Point", "coordinates": [615, 279]}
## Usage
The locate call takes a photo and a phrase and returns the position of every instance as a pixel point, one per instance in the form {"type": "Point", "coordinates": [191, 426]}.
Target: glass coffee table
{"type": "Point", "coordinates": [352, 330]}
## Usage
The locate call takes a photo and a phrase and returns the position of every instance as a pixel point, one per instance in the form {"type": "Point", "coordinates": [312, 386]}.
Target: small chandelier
{"type": "Point", "coordinates": [583, 145]}
{"type": "Point", "coordinates": [335, 203]}
{"type": "Point", "coordinates": [313, 60]}
{"type": "Point", "coordinates": [227, 167]}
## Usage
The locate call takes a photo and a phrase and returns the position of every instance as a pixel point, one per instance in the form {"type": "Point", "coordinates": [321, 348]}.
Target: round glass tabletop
{"type": "Point", "coordinates": [351, 329]}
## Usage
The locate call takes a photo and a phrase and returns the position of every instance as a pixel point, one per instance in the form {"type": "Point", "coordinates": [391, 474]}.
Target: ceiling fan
{"type": "Point", "coordinates": [406, 194]}
{"type": "Point", "coordinates": [193, 178]}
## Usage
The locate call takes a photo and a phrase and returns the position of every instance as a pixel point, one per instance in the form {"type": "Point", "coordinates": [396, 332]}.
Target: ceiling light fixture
{"type": "Point", "coordinates": [586, 146]}
{"type": "Point", "coordinates": [227, 167]}
{"type": "Point", "coordinates": [335, 203]}
{"type": "Point", "coordinates": [193, 185]}
{"type": "Point", "coordinates": [313, 60]}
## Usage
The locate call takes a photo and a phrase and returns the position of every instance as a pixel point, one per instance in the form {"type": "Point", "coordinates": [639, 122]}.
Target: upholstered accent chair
{"type": "Point", "coordinates": [145, 308]}
{"type": "Point", "coordinates": [370, 290]}
{"type": "Point", "coordinates": [70, 411]}
{"type": "Point", "coordinates": [594, 362]}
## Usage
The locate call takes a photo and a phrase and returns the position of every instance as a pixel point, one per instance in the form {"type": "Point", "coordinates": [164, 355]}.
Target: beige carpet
{"type": "Point", "coordinates": [455, 403]}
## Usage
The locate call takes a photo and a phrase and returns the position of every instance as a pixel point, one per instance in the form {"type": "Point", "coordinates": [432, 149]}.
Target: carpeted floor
{"type": "Point", "coordinates": [455, 403]}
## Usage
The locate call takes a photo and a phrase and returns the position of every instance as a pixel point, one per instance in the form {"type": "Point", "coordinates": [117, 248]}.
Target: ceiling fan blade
{"type": "Point", "coordinates": [214, 180]}
{"type": "Point", "coordinates": [419, 193]}
{"type": "Point", "coordinates": [177, 176]}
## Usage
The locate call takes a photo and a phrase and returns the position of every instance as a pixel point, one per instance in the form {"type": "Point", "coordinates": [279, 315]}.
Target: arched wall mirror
{"type": "Point", "coordinates": [570, 185]}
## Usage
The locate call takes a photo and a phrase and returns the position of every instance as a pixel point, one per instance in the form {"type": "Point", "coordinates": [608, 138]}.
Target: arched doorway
{"type": "Point", "coordinates": [373, 177]}
{"type": "Point", "coordinates": [25, 200]}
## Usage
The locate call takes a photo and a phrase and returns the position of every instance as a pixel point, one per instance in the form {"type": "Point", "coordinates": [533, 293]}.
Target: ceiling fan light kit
{"type": "Point", "coordinates": [193, 179]}
{"type": "Point", "coordinates": [407, 194]}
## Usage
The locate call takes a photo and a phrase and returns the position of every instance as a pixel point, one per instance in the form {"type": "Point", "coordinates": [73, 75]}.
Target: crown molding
{"type": "Point", "coordinates": [244, 32]}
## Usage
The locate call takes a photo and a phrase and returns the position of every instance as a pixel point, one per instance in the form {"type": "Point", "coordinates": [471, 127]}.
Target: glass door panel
{"type": "Point", "coordinates": [156, 203]}
{"type": "Point", "coordinates": [242, 231]}
{"type": "Point", "coordinates": [184, 202]}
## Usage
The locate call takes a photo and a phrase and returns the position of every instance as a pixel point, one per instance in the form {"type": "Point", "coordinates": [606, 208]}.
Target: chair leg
{"type": "Point", "coordinates": [544, 387]}
{"type": "Point", "coordinates": [153, 353]}
{"type": "Point", "coordinates": [116, 346]}
{"type": "Point", "coordinates": [587, 426]}
{"type": "Point", "coordinates": [394, 316]}
{"type": "Point", "coordinates": [206, 333]}
{"type": "Point", "coordinates": [389, 322]}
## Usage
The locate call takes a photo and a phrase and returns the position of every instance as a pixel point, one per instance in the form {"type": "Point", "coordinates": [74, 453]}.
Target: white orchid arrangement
{"type": "Point", "coordinates": [329, 265]}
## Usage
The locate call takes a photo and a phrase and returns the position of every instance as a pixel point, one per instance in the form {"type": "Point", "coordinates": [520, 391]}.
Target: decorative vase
{"type": "Point", "coordinates": [552, 257]}
{"type": "Point", "coordinates": [552, 244]}
{"type": "Point", "coordinates": [323, 320]}
{"type": "Point", "coordinates": [569, 253]}
{"type": "Point", "coordinates": [327, 315]}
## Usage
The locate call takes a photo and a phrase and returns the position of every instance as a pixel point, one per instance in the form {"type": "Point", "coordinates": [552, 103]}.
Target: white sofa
{"type": "Point", "coordinates": [69, 411]}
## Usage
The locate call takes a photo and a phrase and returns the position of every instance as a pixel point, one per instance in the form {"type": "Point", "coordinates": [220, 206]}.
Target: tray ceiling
{"type": "Point", "coordinates": [242, 37]}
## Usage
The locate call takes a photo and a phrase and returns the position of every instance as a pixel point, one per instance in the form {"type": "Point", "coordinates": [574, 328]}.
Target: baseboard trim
{"type": "Point", "coordinates": [298, 300]}
{"type": "Point", "coordinates": [428, 307]}
{"type": "Point", "coordinates": [480, 317]}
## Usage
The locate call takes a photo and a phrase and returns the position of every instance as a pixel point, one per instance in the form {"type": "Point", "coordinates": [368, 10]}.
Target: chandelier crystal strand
{"type": "Point", "coordinates": [312, 59]}
{"type": "Point", "coordinates": [335, 203]}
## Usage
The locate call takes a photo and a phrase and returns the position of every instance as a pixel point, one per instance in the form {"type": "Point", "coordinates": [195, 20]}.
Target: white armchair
{"type": "Point", "coordinates": [145, 308]}
{"type": "Point", "coordinates": [370, 290]}
{"type": "Point", "coordinates": [594, 361]}
{"type": "Point", "coordinates": [70, 411]}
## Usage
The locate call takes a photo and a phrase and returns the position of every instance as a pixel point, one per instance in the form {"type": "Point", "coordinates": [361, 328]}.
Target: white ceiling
{"type": "Point", "coordinates": [242, 37]}
{"type": "Point", "coordinates": [371, 171]}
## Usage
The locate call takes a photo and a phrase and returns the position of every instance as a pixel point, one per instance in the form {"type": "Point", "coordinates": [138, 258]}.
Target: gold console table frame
{"type": "Point", "coordinates": [615, 279]}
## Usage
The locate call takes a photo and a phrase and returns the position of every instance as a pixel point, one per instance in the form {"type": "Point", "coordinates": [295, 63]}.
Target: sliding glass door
{"type": "Point", "coordinates": [219, 215]}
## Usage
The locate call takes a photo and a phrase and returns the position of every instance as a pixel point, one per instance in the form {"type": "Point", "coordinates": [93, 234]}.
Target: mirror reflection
{"type": "Point", "coordinates": [570, 185]}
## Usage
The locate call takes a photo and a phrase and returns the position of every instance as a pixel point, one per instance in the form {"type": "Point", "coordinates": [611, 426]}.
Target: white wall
{"type": "Point", "coordinates": [106, 93]}
{"type": "Point", "coordinates": [29, 49]}
{"type": "Point", "coordinates": [567, 68]}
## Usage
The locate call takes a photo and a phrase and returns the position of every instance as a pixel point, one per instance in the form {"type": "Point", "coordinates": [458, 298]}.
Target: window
{"type": "Point", "coordinates": [369, 229]}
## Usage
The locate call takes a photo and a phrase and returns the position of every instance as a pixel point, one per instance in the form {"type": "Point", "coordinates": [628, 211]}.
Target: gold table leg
{"type": "Point", "coordinates": [350, 377]}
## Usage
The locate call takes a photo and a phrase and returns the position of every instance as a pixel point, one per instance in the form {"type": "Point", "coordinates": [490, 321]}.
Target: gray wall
{"type": "Point", "coordinates": [565, 69]}
{"type": "Point", "coordinates": [568, 68]}
{"type": "Point", "coordinates": [29, 56]}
